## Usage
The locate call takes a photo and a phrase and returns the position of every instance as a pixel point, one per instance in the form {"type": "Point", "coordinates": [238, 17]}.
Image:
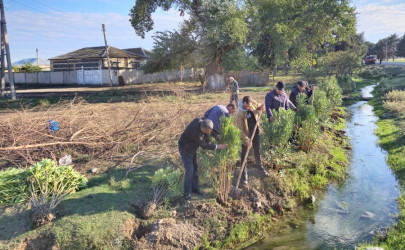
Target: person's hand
{"type": "Point", "coordinates": [261, 107]}
{"type": "Point", "coordinates": [249, 144]}
{"type": "Point", "coordinates": [313, 88]}
{"type": "Point", "coordinates": [222, 146]}
{"type": "Point", "coordinates": [271, 119]}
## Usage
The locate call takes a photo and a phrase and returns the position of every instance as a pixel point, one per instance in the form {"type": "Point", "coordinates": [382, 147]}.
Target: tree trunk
{"type": "Point", "coordinates": [214, 73]}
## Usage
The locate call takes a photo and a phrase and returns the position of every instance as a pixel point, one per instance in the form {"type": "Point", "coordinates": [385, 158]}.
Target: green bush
{"type": "Point", "coordinates": [13, 186]}
{"type": "Point", "coordinates": [332, 90]}
{"type": "Point", "coordinates": [346, 84]}
{"type": "Point", "coordinates": [307, 134]}
{"type": "Point", "coordinates": [278, 132]}
{"type": "Point", "coordinates": [50, 183]}
{"type": "Point", "coordinates": [322, 105]}
{"type": "Point", "coordinates": [305, 112]}
{"type": "Point", "coordinates": [384, 85]}
{"type": "Point", "coordinates": [221, 163]}
{"type": "Point", "coordinates": [44, 181]}
{"type": "Point", "coordinates": [373, 73]}
{"type": "Point", "coordinates": [166, 184]}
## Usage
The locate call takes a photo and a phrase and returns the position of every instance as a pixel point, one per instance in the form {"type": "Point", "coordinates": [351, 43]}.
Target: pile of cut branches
{"type": "Point", "coordinates": [97, 130]}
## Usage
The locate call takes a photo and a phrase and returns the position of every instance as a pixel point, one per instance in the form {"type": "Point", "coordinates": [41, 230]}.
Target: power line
{"type": "Point", "coordinates": [35, 33]}
{"type": "Point", "coordinates": [31, 7]}
{"type": "Point", "coordinates": [48, 6]}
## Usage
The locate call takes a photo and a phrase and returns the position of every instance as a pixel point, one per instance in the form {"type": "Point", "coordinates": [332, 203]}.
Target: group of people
{"type": "Point", "coordinates": [247, 114]}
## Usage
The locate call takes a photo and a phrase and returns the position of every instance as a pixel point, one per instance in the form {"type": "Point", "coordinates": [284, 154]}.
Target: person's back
{"type": "Point", "coordinates": [215, 114]}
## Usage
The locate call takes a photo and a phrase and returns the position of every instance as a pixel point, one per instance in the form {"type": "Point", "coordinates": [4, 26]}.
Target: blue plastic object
{"type": "Point", "coordinates": [53, 126]}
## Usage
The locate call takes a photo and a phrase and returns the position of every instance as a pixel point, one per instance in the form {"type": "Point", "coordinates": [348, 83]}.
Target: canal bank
{"type": "Point", "coordinates": [352, 212]}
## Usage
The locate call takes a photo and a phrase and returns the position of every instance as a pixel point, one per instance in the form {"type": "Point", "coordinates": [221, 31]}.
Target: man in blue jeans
{"type": "Point", "coordinates": [194, 136]}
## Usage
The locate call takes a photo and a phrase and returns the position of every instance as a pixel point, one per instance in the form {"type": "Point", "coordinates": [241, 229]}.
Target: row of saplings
{"type": "Point", "coordinates": [301, 127]}
{"type": "Point", "coordinates": [45, 184]}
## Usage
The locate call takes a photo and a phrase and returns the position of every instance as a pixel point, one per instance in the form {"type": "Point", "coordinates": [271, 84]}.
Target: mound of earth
{"type": "Point", "coordinates": [169, 234]}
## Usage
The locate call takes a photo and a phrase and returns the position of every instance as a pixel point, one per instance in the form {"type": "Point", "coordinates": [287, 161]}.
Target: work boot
{"type": "Point", "coordinates": [199, 192]}
{"type": "Point", "coordinates": [187, 197]}
{"type": "Point", "coordinates": [263, 170]}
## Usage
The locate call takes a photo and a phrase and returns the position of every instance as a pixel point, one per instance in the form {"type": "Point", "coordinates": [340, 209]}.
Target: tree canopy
{"type": "Point", "coordinates": [218, 32]}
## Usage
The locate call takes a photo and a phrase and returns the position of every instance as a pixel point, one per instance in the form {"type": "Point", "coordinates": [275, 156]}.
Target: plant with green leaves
{"type": "Point", "coordinates": [307, 134]}
{"type": "Point", "coordinates": [305, 112]}
{"type": "Point", "coordinates": [322, 106]}
{"type": "Point", "coordinates": [222, 162]}
{"type": "Point", "coordinates": [50, 183]}
{"type": "Point", "coordinates": [384, 85]}
{"type": "Point", "coordinates": [276, 135]}
{"type": "Point", "coordinates": [13, 186]}
{"type": "Point", "coordinates": [166, 184]}
{"type": "Point", "coordinates": [333, 92]}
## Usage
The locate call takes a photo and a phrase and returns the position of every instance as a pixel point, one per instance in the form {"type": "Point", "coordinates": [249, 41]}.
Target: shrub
{"type": "Point", "coordinates": [278, 132]}
{"type": "Point", "coordinates": [332, 90]}
{"type": "Point", "coordinates": [221, 163]}
{"type": "Point", "coordinates": [346, 84]}
{"type": "Point", "coordinates": [166, 184]}
{"type": "Point", "coordinates": [384, 85]}
{"type": "Point", "coordinates": [305, 112]}
{"type": "Point", "coordinates": [322, 105]}
{"type": "Point", "coordinates": [13, 186]}
{"type": "Point", "coordinates": [50, 183]}
{"type": "Point", "coordinates": [395, 96]}
{"type": "Point", "coordinates": [307, 134]}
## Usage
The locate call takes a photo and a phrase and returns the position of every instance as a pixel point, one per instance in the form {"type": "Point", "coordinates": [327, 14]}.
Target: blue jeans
{"type": "Point", "coordinates": [191, 182]}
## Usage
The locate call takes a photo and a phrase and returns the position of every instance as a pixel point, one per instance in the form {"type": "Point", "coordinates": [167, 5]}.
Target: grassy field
{"type": "Point", "coordinates": [102, 216]}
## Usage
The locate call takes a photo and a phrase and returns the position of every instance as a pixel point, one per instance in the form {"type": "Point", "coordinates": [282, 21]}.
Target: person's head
{"type": "Point", "coordinates": [231, 108]}
{"type": "Point", "coordinates": [246, 101]}
{"type": "Point", "coordinates": [231, 79]}
{"type": "Point", "coordinates": [206, 126]}
{"type": "Point", "coordinates": [301, 85]}
{"type": "Point", "coordinates": [280, 87]}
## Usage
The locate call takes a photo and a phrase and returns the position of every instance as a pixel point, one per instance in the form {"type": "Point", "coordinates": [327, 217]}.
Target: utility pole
{"type": "Point", "coordinates": [108, 55]}
{"type": "Point", "coordinates": [37, 57]}
{"type": "Point", "coordinates": [2, 75]}
{"type": "Point", "coordinates": [5, 37]}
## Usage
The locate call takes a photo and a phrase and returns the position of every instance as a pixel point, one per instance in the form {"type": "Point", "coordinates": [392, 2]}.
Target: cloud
{"type": "Point", "coordinates": [379, 21]}
{"type": "Point", "coordinates": [57, 33]}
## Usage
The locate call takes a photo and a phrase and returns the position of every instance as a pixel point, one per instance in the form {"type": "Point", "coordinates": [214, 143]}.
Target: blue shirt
{"type": "Point", "coordinates": [215, 113]}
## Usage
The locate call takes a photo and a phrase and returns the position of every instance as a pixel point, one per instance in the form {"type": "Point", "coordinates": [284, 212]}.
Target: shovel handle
{"type": "Point", "coordinates": [247, 153]}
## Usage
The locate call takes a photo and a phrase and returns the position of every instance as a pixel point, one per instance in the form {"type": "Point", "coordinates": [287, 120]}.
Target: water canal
{"type": "Point", "coordinates": [349, 213]}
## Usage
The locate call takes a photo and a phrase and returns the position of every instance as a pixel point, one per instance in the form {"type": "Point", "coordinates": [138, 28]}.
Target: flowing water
{"type": "Point", "coordinates": [350, 213]}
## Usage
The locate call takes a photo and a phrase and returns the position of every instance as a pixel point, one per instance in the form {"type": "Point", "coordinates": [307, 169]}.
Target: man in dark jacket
{"type": "Point", "coordinates": [215, 113]}
{"type": "Point", "coordinates": [300, 87]}
{"type": "Point", "coordinates": [276, 99]}
{"type": "Point", "coordinates": [194, 136]}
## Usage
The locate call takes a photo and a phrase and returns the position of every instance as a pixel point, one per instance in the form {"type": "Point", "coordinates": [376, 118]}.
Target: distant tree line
{"type": "Point", "coordinates": [388, 47]}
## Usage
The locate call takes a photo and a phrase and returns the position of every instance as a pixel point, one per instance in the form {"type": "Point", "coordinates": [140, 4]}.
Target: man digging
{"type": "Point", "coordinates": [246, 117]}
{"type": "Point", "coordinates": [194, 136]}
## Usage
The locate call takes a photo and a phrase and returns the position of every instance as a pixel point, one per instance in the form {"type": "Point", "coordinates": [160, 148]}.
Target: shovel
{"type": "Point", "coordinates": [236, 189]}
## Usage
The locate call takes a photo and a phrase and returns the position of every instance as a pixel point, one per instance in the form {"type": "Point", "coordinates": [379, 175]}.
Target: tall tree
{"type": "Point", "coordinates": [217, 26]}
{"type": "Point", "coordinates": [401, 47]}
{"type": "Point", "coordinates": [292, 30]}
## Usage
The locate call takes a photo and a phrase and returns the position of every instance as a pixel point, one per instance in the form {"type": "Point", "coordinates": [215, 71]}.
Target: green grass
{"type": "Point", "coordinates": [94, 216]}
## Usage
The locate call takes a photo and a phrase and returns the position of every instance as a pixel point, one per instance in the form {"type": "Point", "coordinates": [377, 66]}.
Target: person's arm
{"type": "Point", "coordinates": [268, 104]}
{"type": "Point", "coordinates": [290, 105]}
{"type": "Point", "coordinates": [293, 97]}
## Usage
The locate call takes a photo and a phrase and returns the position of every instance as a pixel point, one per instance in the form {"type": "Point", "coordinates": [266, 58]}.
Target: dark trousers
{"type": "Point", "coordinates": [256, 149]}
{"type": "Point", "coordinates": [191, 182]}
{"type": "Point", "coordinates": [234, 98]}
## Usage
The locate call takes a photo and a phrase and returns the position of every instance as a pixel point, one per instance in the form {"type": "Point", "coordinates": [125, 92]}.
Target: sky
{"type": "Point", "coordinates": [56, 27]}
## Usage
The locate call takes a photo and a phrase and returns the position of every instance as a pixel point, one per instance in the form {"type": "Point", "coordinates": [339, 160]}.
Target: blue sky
{"type": "Point", "coordinates": [56, 27]}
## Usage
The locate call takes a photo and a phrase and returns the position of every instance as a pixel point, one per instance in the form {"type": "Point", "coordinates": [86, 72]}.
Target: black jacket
{"type": "Point", "coordinates": [192, 138]}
